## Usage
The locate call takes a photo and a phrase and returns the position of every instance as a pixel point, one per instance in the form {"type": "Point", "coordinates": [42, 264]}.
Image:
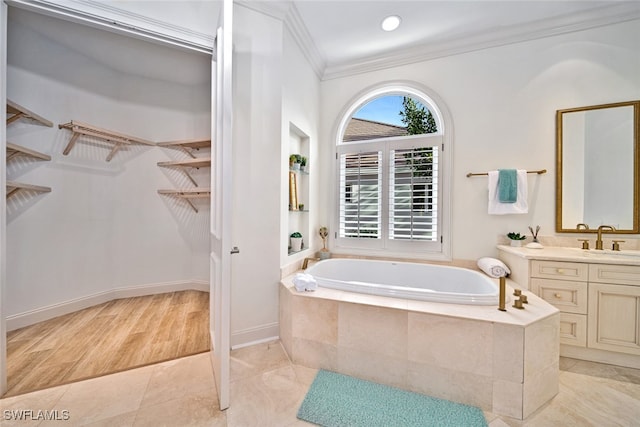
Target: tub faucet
{"type": "Point", "coordinates": [503, 293]}
{"type": "Point", "coordinates": [305, 263]}
{"type": "Point", "coordinates": [600, 231]}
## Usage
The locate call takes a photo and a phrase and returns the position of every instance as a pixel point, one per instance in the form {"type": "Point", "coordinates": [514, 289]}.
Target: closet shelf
{"type": "Point", "coordinates": [187, 145]}
{"type": "Point", "coordinates": [17, 112]}
{"type": "Point", "coordinates": [15, 150]}
{"type": "Point", "coordinates": [82, 129]}
{"type": "Point", "coordinates": [13, 187]}
{"type": "Point", "coordinates": [201, 162]}
{"type": "Point", "coordinates": [188, 193]}
{"type": "Point", "coordinates": [197, 163]}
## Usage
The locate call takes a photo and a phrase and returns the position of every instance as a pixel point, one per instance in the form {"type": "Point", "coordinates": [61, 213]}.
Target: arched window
{"type": "Point", "coordinates": [389, 153]}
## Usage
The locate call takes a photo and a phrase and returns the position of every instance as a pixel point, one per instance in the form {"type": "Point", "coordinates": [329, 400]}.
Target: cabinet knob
{"type": "Point", "coordinates": [557, 295]}
{"type": "Point", "coordinates": [560, 271]}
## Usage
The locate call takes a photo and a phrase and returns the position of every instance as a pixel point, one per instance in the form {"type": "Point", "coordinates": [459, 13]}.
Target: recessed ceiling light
{"type": "Point", "coordinates": [390, 23]}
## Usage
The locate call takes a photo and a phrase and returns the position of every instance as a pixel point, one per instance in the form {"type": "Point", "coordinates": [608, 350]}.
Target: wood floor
{"type": "Point", "coordinates": [107, 338]}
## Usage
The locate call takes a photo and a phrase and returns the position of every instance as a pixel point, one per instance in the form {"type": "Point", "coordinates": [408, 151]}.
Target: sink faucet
{"type": "Point", "coordinates": [582, 226]}
{"type": "Point", "coordinates": [600, 231]}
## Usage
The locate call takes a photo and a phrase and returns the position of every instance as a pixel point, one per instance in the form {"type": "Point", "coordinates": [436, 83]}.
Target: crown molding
{"type": "Point", "coordinates": [607, 15]}
{"type": "Point", "coordinates": [288, 13]}
{"type": "Point", "coordinates": [298, 30]}
{"type": "Point", "coordinates": [276, 9]}
{"type": "Point", "coordinates": [99, 15]}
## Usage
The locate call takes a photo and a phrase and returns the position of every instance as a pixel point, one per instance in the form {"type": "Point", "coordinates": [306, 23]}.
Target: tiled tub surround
{"type": "Point", "coordinates": [503, 362]}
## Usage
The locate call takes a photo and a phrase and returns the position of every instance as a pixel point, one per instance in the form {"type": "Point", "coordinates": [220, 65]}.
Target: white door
{"type": "Point", "coordinates": [3, 220]}
{"type": "Point", "coordinates": [221, 204]}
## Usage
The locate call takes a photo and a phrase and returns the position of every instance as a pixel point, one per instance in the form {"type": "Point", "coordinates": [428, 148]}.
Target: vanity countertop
{"type": "Point", "coordinates": [592, 256]}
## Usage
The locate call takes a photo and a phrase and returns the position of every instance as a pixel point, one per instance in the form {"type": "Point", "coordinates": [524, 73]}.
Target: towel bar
{"type": "Point", "coordinates": [539, 172]}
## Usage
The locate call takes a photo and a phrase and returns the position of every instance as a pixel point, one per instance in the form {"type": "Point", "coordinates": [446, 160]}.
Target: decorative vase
{"type": "Point", "coordinates": [324, 254]}
{"type": "Point", "coordinates": [296, 244]}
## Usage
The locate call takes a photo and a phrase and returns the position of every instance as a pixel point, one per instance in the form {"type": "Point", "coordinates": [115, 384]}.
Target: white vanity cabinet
{"type": "Point", "coordinates": [598, 297]}
{"type": "Point", "coordinates": [614, 308]}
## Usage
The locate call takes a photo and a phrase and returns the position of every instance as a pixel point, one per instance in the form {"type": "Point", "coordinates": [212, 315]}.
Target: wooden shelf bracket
{"type": "Point", "coordinates": [188, 193]}
{"type": "Point", "coordinates": [117, 139]}
{"type": "Point", "coordinates": [13, 187]}
{"type": "Point", "coordinates": [196, 163]}
{"type": "Point", "coordinates": [15, 150]}
{"type": "Point", "coordinates": [16, 112]}
{"type": "Point", "coordinates": [187, 145]}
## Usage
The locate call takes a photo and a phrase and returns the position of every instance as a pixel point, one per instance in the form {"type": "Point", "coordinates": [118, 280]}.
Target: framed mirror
{"type": "Point", "coordinates": [597, 170]}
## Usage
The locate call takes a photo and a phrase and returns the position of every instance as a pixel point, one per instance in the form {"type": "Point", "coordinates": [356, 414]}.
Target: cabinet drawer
{"type": "Point", "coordinates": [573, 329]}
{"type": "Point", "coordinates": [568, 296]}
{"type": "Point", "coordinates": [617, 274]}
{"type": "Point", "coordinates": [560, 270]}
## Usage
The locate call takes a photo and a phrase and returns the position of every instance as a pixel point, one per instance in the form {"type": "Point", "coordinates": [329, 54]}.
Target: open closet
{"type": "Point", "coordinates": [86, 224]}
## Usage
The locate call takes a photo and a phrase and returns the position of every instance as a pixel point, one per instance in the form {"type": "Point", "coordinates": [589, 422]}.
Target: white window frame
{"type": "Point", "coordinates": [384, 246]}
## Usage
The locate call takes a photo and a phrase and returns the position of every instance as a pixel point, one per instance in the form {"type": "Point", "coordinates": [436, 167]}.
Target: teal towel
{"type": "Point", "coordinates": [507, 185]}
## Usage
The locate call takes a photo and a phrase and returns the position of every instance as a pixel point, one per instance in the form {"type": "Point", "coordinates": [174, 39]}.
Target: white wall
{"type": "Point", "coordinates": [503, 102]}
{"type": "Point", "coordinates": [103, 226]}
{"type": "Point", "coordinates": [273, 87]}
{"type": "Point", "coordinates": [301, 107]}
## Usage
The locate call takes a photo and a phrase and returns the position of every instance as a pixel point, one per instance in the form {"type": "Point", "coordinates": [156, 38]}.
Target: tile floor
{"type": "Point", "coordinates": [267, 389]}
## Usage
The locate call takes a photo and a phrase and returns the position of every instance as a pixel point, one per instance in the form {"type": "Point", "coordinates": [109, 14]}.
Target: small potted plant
{"type": "Point", "coordinates": [294, 162]}
{"type": "Point", "coordinates": [516, 238]}
{"type": "Point", "coordinates": [303, 163]}
{"type": "Point", "coordinates": [296, 241]}
{"type": "Point", "coordinates": [300, 206]}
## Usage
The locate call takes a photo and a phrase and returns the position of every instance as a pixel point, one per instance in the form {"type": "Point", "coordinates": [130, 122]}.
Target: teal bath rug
{"type": "Point", "coordinates": [336, 400]}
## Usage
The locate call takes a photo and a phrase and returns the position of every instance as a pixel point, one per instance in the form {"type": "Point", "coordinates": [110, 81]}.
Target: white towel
{"type": "Point", "coordinates": [493, 267]}
{"type": "Point", "coordinates": [304, 282]}
{"type": "Point", "coordinates": [519, 207]}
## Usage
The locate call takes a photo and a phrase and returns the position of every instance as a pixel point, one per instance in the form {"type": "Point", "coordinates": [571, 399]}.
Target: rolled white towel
{"type": "Point", "coordinates": [304, 282]}
{"type": "Point", "coordinates": [493, 267]}
{"type": "Point", "coordinates": [312, 285]}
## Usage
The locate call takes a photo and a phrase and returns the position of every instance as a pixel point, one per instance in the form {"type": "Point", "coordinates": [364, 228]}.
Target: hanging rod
{"type": "Point", "coordinates": [539, 172]}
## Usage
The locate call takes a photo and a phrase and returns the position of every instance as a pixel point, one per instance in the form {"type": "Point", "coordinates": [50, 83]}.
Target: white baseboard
{"type": "Point", "coordinates": [30, 317]}
{"type": "Point", "coordinates": [160, 288]}
{"type": "Point", "coordinates": [257, 335]}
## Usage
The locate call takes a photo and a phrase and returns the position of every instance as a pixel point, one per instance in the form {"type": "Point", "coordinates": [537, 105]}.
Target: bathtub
{"type": "Point", "coordinates": [502, 362]}
{"type": "Point", "coordinates": [424, 282]}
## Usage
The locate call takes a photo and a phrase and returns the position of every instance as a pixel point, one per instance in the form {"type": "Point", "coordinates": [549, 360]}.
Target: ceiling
{"type": "Point", "coordinates": [348, 38]}
{"type": "Point", "coordinates": [338, 37]}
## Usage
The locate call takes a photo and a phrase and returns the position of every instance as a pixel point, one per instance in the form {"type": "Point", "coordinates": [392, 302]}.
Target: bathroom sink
{"type": "Point", "coordinates": [611, 253]}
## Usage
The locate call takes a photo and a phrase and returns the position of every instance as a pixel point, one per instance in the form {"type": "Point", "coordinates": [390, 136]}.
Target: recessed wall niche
{"type": "Point", "coordinates": [298, 177]}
